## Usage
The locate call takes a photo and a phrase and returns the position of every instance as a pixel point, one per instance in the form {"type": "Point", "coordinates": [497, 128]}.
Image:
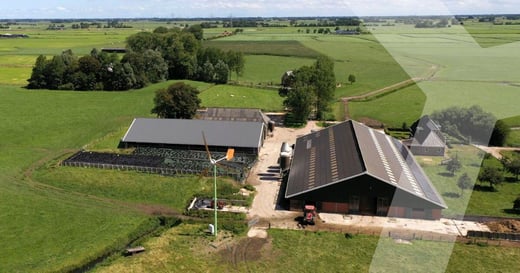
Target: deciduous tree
{"type": "Point", "coordinates": [299, 101]}
{"type": "Point", "coordinates": [453, 165]}
{"type": "Point", "coordinates": [351, 78]}
{"type": "Point", "coordinates": [464, 183]}
{"type": "Point", "coordinates": [492, 175]}
{"type": "Point", "coordinates": [178, 101]}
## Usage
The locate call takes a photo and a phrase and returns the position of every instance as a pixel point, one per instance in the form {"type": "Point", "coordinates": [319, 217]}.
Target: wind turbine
{"type": "Point", "coordinates": [229, 155]}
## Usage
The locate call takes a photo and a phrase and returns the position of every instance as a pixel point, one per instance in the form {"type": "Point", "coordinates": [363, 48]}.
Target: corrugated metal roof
{"type": "Point", "coordinates": [319, 158]}
{"type": "Point", "coordinates": [234, 114]}
{"type": "Point", "coordinates": [189, 132]}
{"type": "Point", "coordinates": [349, 149]}
{"type": "Point", "coordinates": [427, 133]}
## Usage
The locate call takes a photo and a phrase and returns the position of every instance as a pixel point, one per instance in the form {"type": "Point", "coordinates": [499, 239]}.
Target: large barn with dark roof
{"type": "Point", "coordinates": [351, 168]}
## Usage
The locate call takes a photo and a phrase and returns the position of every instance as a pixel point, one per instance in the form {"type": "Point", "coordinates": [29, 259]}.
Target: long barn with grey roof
{"type": "Point", "coordinates": [351, 168]}
{"type": "Point", "coordinates": [244, 137]}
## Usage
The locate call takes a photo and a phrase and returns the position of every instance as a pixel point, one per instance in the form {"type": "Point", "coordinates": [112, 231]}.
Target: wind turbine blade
{"type": "Point", "coordinates": [206, 146]}
{"type": "Point", "coordinates": [230, 154]}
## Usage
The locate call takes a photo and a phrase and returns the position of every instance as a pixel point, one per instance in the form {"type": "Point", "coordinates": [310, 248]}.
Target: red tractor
{"type": "Point", "coordinates": [309, 213]}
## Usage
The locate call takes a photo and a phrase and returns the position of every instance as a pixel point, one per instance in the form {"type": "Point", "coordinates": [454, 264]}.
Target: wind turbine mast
{"type": "Point", "coordinates": [229, 155]}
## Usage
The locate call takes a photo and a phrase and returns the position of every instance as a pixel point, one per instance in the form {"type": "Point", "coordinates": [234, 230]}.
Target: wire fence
{"type": "Point", "coordinates": [152, 165]}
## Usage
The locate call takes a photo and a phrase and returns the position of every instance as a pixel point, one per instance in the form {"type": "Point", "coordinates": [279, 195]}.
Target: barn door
{"type": "Point", "coordinates": [354, 204]}
{"type": "Point", "coordinates": [382, 206]}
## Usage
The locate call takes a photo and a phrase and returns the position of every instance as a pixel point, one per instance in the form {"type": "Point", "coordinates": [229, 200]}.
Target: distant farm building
{"type": "Point", "coordinates": [114, 50]}
{"type": "Point", "coordinates": [347, 32]}
{"type": "Point", "coordinates": [427, 138]}
{"type": "Point", "coordinates": [237, 114]}
{"type": "Point", "coordinates": [8, 35]}
{"type": "Point", "coordinates": [351, 168]}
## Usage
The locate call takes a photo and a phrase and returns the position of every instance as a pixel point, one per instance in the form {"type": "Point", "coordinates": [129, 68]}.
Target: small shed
{"type": "Point", "coordinates": [427, 138]}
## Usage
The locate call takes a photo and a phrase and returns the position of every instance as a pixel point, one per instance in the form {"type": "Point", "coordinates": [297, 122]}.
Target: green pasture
{"type": "Point", "coordinates": [241, 97]}
{"type": "Point", "coordinates": [456, 70]}
{"type": "Point", "coordinates": [183, 249]}
{"type": "Point", "coordinates": [480, 201]}
{"type": "Point", "coordinates": [404, 105]}
{"type": "Point", "coordinates": [498, 98]}
{"type": "Point", "coordinates": [488, 34]}
{"type": "Point", "coordinates": [267, 69]}
{"type": "Point", "coordinates": [49, 42]}
{"type": "Point", "coordinates": [126, 186]}
{"type": "Point", "coordinates": [47, 228]}
{"type": "Point", "coordinates": [290, 48]}
{"type": "Point", "coordinates": [360, 55]}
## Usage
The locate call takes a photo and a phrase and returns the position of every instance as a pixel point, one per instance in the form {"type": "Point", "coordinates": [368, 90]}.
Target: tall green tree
{"type": "Point", "coordinates": [38, 79]}
{"type": "Point", "coordinates": [491, 175]}
{"type": "Point", "coordinates": [221, 72]}
{"type": "Point", "coordinates": [235, 61]}
{"type": "Point", "coordinates": [299, 101]}
{"type": "Point", "coordinates": [196, 30]}
{"type": "Point", "coordinates": [179, 101]}
{"type": "Point", "coordinates": [324, 84]}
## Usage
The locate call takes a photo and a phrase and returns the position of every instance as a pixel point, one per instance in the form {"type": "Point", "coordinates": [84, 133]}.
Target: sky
{"type": "Point", "coordinates": [38, 9]}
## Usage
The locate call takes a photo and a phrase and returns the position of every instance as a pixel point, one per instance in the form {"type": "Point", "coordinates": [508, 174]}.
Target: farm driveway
{"type": "Point", "coordinates": [265, 209]}
{"type": "Point", "coordinates": [495, 151]}
{"type": "Point", "coordinates": [265, 176]}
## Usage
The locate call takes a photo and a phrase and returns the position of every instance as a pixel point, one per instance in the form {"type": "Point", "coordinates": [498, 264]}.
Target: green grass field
{"type": "Point", "coordinates": [56, 218]}
{"type": "Point", "coordinates": [405, 105]}
{"type": "Point", "coordinates": [239, 96]}
{"type": "Point", "coordinates": [478, 201]}
{"type": "Point", "coordinates": [183, 249]}
{"type": "Point", "coordinates": [48, 228]}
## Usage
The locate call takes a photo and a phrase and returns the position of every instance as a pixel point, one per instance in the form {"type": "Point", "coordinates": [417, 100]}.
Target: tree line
{"type": "Point", "coordinates": [150, 57]}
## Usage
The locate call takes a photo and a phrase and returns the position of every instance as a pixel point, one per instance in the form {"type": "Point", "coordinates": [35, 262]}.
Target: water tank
{"type": "Point", "coordinates": [285, 160]}
{"type": "Point", "coordinates": [286, 148]}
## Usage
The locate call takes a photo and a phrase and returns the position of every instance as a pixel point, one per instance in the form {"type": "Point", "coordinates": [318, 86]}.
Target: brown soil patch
{"type": "Point", "coordinates": [244, 251]}
{"type": "Point", "coordinates": [505, 226]}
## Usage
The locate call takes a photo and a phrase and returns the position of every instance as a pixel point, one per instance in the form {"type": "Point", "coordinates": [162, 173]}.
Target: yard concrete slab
{"type": "Point", "coordinates": [442, 226]}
